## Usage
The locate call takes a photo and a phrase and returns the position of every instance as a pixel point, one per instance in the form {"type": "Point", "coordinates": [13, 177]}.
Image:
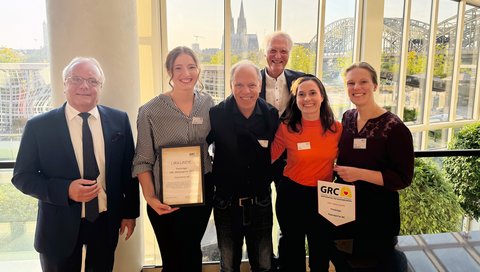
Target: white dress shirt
{"type": "Point", "coordinates": [276, 92]}
{"type": "Point", "coordinates": [74, 122]}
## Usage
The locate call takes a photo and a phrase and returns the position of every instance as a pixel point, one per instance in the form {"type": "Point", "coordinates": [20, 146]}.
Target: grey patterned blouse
{"type": "Point", "coordinates": [161, 123]}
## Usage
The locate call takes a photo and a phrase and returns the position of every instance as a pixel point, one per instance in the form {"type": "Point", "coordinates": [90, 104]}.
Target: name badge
{"type": "Point", "coordinates": [360, 143]}
{"type": "Point", "coordinates": [263, 143]}
{"type": "Point", "coordinates": [197, 121]}
{"type": "Point", "coordinates": [303, 146]}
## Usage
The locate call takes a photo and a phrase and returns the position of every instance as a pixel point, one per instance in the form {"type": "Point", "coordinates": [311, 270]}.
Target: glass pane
{"type": "Point", "coordinates": [204, 34]}
{"type": "Point", "coordinates": [456, 259]}
{"type": "Point", "coordinates": [437, 139]}
{"type": "Point", "coordinates": [417, 140]}
{"type": "Point", "coordinates": [417, 60]}
{"type": "Point", "coordinates": [391, 50]}
{"type": "Point", "coordinates": [25, 91]}
{"type": "Point", "coordinates": [469, 63]}
{"type": "Point", "coordinates": [443, 61]}
{"type": "Point", "coordinates": [251, 21]}
{"type": "Point", "coordinates": [338, 52]}
{"type": "Point", "coordinates": [18, 216]}
{"type": "Point", "coordinates": [303, 30]}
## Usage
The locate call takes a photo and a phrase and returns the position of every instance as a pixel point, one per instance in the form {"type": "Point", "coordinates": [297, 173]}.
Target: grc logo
{"type": "Point", "coordinates": [343, 191]}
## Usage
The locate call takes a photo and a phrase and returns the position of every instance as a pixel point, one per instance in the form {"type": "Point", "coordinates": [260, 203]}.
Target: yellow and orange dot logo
{"type": "Point", "coordinates": [345, 192]}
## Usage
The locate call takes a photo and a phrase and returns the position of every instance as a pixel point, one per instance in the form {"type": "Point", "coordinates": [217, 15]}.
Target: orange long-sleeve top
{"type": "Point", "coordinates": [310, 153]}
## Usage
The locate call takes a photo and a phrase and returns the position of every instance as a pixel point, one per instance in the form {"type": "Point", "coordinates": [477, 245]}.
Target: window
{"type": "Point", "coordinates": [299, 19]}
{"type": "Point", "coordinates": [204, 34]}
{"type": "Point", "coordinates": [469, 64]}
{"type": "Point", "coordinates": [24, 92]}
{"type": "Point", "coordinates": [444, 60]}
{"type": "Point", "coordinates": [417, 56]}
{"type": "Point", "coordinates": [391, 53]}
{"type": "Point", "coordinates": [338, 39]}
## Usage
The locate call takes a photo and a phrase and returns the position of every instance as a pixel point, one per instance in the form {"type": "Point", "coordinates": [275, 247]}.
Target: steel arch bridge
{"type": "Point", "coordinates": [339, 34]}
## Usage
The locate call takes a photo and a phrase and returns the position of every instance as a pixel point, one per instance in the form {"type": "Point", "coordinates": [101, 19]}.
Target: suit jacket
{"type": "Point", "coordinates": [46, 165]}
{"type": "Point", "coordinates": [290, 75]}
{"type": "Point", "coordinates": [226, 166]}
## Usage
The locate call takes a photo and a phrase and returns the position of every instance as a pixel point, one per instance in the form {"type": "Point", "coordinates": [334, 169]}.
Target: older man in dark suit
{"type": "Point", "coordinates": [276, 80]}
{"type": "Point", "coordinates": [76, 160]}
{"type": "Point", "coordinates": [276, 84]}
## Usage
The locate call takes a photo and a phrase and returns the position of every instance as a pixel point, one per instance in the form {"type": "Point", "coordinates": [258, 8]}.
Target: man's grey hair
{"type": "Point", "coordinates": [276, 34]}
{"type": "Point", "coordinates": [68, 69]}
{"type": "Point", "coordinates": [245, 63]}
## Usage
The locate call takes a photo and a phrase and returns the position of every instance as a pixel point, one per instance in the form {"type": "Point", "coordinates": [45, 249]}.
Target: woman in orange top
{"type": "Point", "coordinates": [310, 135]}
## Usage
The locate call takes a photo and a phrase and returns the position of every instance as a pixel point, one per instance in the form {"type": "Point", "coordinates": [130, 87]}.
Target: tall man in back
{"type": "Point", "coordinates": [76, 160]}
{"type": "Point", "coordinates": [276, 84]}
{"type": "Point", "coordinates": [276, 80]}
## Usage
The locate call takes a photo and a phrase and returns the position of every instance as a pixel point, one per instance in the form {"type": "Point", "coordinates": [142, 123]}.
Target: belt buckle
{"type": "Point", "coordinates": [241, 201]}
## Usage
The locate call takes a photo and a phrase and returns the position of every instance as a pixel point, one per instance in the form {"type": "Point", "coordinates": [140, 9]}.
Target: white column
{"type": "Point", "coordinates": [372, 30]}
{"type": "Point", "coordinates": [107, 31]}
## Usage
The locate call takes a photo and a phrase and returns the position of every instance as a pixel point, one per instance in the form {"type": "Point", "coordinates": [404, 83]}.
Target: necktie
{"type": "Point", "coordinates": [90, 167]}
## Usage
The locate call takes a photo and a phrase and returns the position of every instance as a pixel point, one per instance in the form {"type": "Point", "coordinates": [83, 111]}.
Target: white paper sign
{"type": "Point", "coordinates": [336, 202]}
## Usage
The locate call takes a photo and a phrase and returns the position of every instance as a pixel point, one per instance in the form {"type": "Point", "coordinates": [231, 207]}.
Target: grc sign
{"type": "Point", "coordinates": [336, 202]}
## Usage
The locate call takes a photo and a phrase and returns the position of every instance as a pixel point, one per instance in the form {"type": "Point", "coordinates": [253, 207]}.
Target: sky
{"type": "Point", "coordinates": [21, 21]}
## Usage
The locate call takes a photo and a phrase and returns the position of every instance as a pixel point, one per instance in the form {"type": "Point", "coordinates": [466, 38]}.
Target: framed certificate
{"type": "Point", "coordinates": [181, 175]}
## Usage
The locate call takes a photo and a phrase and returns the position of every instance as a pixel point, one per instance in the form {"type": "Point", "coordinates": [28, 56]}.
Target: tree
{"type": "Point", "coordinates": [219, 58]}
{"type": "Point", "coordinates": [443, 61]}
{"type": "Point", "coordinates": [409, 114]}
{"type": "Point", "coordinates": [429, 205]}
{"type": "Point", "coordinates": [416, 63]}
{"type": "Point", "coordinates": [302, 59]}
{"type": "Point", "coordinates": [464, 172]}
{"type": "Point", "coordinates": [9, 55]}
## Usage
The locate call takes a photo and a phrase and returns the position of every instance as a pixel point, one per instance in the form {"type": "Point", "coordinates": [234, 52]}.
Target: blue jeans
{"type": "Point", "coordinates": [232, 226]}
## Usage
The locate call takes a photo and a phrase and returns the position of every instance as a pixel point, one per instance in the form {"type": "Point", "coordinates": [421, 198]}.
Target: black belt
{"type": "Point", "coordinates": [246, 203]}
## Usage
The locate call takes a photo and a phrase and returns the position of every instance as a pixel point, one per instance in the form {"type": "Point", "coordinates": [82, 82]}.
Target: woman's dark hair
{"type": "Point", "coordinates": [293, 117]}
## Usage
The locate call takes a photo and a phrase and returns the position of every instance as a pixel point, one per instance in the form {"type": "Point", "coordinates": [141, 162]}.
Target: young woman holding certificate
{"type": "Point", "coordinates": [177, 117]}
{"type": "Point", "coordinates": [310, 135]}
{"type": "Point", "coordinates": [376, 156]}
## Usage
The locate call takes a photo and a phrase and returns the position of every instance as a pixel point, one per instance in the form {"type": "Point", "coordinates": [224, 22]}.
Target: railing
{"type": "Point", "coordinates": [447, 153]}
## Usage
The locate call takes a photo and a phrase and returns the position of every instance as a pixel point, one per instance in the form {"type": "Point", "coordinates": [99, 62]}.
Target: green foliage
{"type": "Point", "coordinates": [302, 59]}
{"type": "Point", "coordinates": [219, 58]}
{"type": "Point", "coordinates": [443, 61]}
{"type": "Point", "coordinates": [429, 204]}
{"type": "Point", "coordinates": [257, 57]}
{"type": "Point", "coordinates": [390, 63]}
{"type": "Point", "coordinates": [409, 115]}
{"type": "Point", "coordinates": [464, 172]}
{"type": "Point", "coordinates": [342, 63]}
{"type": "Point", "coordinates": [439, 67]}
{"type": "Point", "coordinates": [416, 63]}
{"type": "Point", "coordinates": [9, 55]}
{"type": "Point", "coordinates": [15, 206]}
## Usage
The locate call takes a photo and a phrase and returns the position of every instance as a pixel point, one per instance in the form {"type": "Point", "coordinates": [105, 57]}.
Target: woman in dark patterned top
{"type": "Point", "coordinates": [376, 155]}
{"type": "Point", "coordinates": [177, 117]}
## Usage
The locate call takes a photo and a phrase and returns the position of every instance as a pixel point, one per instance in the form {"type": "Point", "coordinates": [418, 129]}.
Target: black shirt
{"type": "Point", "coordinates": [242, 161]}
{"type": "Point", "coordinates": [250, 131]}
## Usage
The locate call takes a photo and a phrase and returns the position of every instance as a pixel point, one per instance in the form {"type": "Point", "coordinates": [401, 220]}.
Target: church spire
{"type": "Point", "coordinates": [242, 22]}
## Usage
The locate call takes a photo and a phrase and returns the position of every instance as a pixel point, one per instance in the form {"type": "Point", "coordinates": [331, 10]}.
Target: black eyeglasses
{"type": "Point", "coordinates": [77, 81]}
